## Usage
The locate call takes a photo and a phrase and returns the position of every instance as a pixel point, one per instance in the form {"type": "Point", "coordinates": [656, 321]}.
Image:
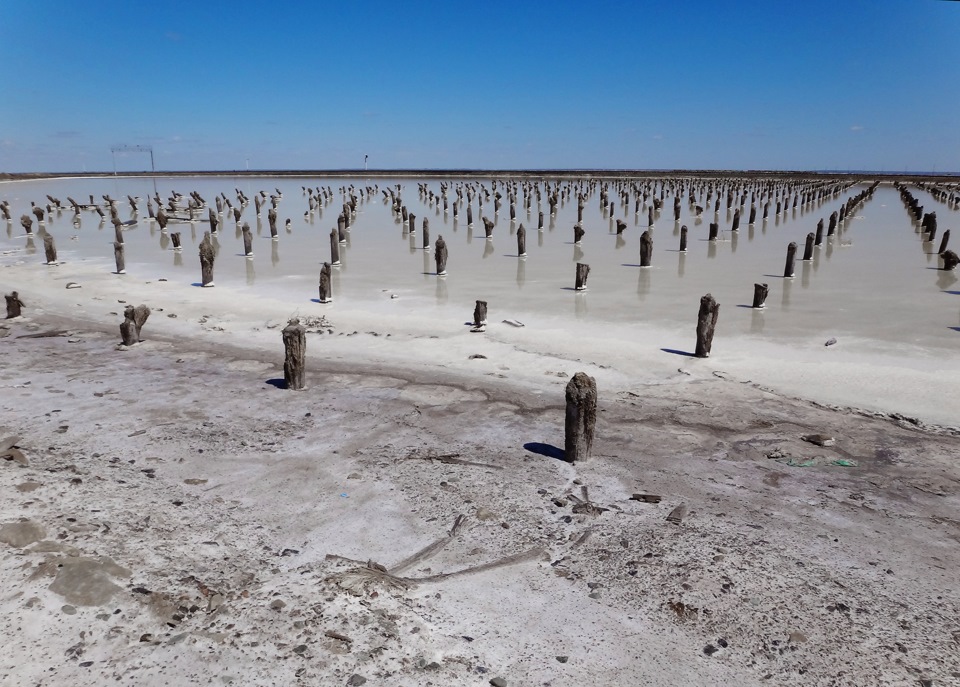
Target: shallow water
{"type": "Point", "coordinates": [875, 280]}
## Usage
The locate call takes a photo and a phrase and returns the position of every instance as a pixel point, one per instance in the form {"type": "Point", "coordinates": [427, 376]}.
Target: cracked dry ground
{"type": "Point", "coordinates": [172, 518]}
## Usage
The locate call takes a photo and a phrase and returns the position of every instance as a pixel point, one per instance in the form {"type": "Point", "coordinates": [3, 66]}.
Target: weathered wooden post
{"type": "Point", "coordinates": [272, 219]}
{"type": "Point", "coordinates": [248, 239]}
{"type": "Point", "coordinates": [469, 215]}
{"type": "Point", "coordinates": [788, 270]}
{"type": "Point", "coordinates": [578, 233]}
{"type": "Point", "coordinates": [683, 239]}
{"type": "Point", "coordinates": [819, 237]}
{"type": "Point", "coordinates": [295, 354]}
{"type": "Point", "coordinates": [736, 221]}
{"type": "Point", "coordinates": [650, 216]}
{"type": "Point", "coordinates": [175, 237]}
{"type": "Point", "coordinates": [540, 222]}
{"type": "Point", "coordinates": [832, 227]}
{"type": "Point", "coordinates": [706, 323]}
{"type": "Point", "coordinates": [237, 212]}
{"type": "Point", "coordinates": [714, 231]}
{"type": "Point", "coordinates": [412, 223]}
{"type": "Point", "coordinates": [583, 271]}
{"type": "Point", "coordinates": [521, 241]}
{"type": "Point", "coordinates": [759, 295]}
{"type": "Point", "coordinates": [134, 319]}
{"type": "Point", "coordinates": [341, 227]}
{"type": "Point", "coordinates": [118, 257]}
{"type": "Point", "coordinates": [808, 247]}
{"type": "Point", "coordinates": [26, 221]}
{"type": "Point", "coordinates": [581, 417]}
{"type": "Point", "coordinates": [950, 260]}
{"type": "Point", "coordinates": [128, 328]}
{"type": "Point", "coordinates": [440, 255]}
{"type": "Point", "coordinates": [753, 214]}
{"type": "Point", "coordinates": [49, 248]}
{"type": "Point", "coordinates": [487, 227]}
{"type": "Point", "coordinates": [207, 255]}
{"type": "Point", "coordinates": [480, 314]}
{"type": "Point", "coordinates": [426, 234]}
{"type": "Point", "coordinates": [14, 305]}
{"type": "Point", "coordinates": [334, 246]}
{"type": "Point", "coordinates": [929, 225]}
{"type": "Point", "coordinates": [646, 249]}
{"type": "Point", "coordinates": [621, 226]}
{"type": "Point", "coordinates": [943, 242]}
{"type": "Point", "coordinates": [214, 220]}
{"type": "Point", "coordinates": [326, 293]}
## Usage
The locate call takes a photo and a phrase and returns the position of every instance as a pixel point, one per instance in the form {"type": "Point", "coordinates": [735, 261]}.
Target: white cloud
{"type": "Point", "coordinates": [856, 127]}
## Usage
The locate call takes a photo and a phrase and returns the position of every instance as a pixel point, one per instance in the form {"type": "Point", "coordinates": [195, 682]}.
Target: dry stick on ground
{"type": "Point", "coordinates": [374, 572]}
{"type": "Point", "coordinates": [583, 506]}
{"type": "Point", "coordinates": [429, 550]}
{"type": "Point", "coordinates": [453, 459]}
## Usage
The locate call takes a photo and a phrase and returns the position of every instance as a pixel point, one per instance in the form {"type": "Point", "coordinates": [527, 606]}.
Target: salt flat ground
{"type": "Point", "coordinates": [172, 516]}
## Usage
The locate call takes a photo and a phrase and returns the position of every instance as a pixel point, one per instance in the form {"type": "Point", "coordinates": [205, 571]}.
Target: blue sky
{"type": "Point", "coordinates": [859, 84]}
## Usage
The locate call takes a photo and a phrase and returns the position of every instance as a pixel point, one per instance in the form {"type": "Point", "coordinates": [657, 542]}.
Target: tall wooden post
{"type": "Point", "coordinates": [706, 323]}
{"type": "Point", "coordinates": [581, 417]}
{"type": "Point", "coordinates": [295, 354]}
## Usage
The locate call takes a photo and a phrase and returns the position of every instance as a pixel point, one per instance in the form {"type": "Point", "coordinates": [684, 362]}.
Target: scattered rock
{"type": "Point", "coordinates": [68, 609]}
{"type": "Point", "coordinates": [477, 356]}
{"type": "Point", "coordinates": [21, 534]}
{"type": "Point", "coordinates": [677, 514]}
{"type": "Point", "coordinates": [710, 649]}
{"type": "Point", "coordinates": [8, 442]}
{"type": "Point", "coordinates": [16, 455]}
{"type": "Point", "coordinates": [86, 581]}
{"type": "Point", "coordinates": [216, 600]}
{"type": "Point", "coordinates": [278, 605]}
{"type": "Point", "coordinates": [27, 487]}
{"type": "Point", "coordinates": [830, 341]}
{"type": "Point", "coordinates": [356, 680]}
{"type": "Point", "coordinates": [563, 659]}
{"type": "Point", "coordinates": [72, 285]}
{"type": "Point", "coordinates": [819, 440]}
{"type": "Point", "coordinates": [647, 498]}
{"type": "Point", "coordinates": [797, 638]}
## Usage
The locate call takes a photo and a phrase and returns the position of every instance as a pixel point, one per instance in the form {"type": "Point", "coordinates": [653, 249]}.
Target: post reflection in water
{"type": "Point", "coordinates": [251, 274]}
{"type": "Point", "coordinates": [442, 293]}
{"type": "Point", "coordinates": [805, 274]}
{"type": "Point", "coordinates": [787, 288]}
{"type": "Point", "coordinates": [580, 304]}
{"type": "Point", "coordinates": [274, 255]}
{"type": "Point", "coordinates": [681, 263]}
{"type": "Point", "coordinates": [488, 248]}
{"type": "Point", "coordinates": [521, 272]}
{"type": "Point", "coordinates": [643, 283]}
{"type": "Point", "coordinates": [177, 258]}
{"type": "Point", "coordinates": [756, 321]}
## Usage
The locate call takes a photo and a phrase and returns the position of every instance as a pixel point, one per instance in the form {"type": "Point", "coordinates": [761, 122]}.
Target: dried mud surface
{"type": "Point", "coordinates": [170, 516]}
